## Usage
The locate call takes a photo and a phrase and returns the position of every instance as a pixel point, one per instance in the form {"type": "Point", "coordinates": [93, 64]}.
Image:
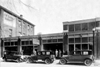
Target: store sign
{"type": "Point", "coordinates": [36, 41]}
{"type": "Point", "coordinates": [9, 20]}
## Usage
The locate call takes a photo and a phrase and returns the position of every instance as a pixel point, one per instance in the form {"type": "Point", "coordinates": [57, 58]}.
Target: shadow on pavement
{"type": "Point", "coordinates": [75, 64]}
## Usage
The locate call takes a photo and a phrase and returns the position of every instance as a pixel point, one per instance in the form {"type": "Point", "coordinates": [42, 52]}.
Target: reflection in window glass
{"type": "Point", "coordinates": [77, 27]}
{"type": "Point", "coordinates": [84, 26]}
{"type": "Point", "coordinates": [78, 47]}
{"type": "Point", "coordinates": [91, 25]}
{"type": "Point", "coordinates": [71, 27]}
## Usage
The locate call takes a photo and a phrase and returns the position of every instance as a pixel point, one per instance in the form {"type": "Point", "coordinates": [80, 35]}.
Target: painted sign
{"type": "Point", "coordinates": [9, 19]}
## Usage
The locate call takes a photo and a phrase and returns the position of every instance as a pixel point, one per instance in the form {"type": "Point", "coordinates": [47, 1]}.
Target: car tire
{"type": "Point", "coordinates": [18, 60]}
{"type": "Point", "coordinates": [29, 60]}
{"type": "Point", "coordinates": [47, 61]}
{"type": "Point", "coordinates": [5, 60]}
{"type": "Point", "coordinates": [87, 62]}
{"type": "Point", "coordinates": [62, 61]}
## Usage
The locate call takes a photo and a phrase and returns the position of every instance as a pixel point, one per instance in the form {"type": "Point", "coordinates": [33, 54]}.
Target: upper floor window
{"type": "Point", "coordinates": [64, 27]}
{"type": "Point", "coordinates": [92, 25]}
{"type": "Point", "coordinates": [77, 27]}
{"type": "Point", "coordinates": [71, 27]}
{"type": "Point", "coordinates": [84, 26]}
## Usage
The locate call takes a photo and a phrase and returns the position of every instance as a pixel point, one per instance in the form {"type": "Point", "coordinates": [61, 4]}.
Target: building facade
{"type": "Point", "coordinates": [53, 42]}
{"type": "Point", "coordinates": [12, 25]}
{"type": "Point", "coordinates": [78, 36]}
{"type": "Point", "coordinates": [24, 44]}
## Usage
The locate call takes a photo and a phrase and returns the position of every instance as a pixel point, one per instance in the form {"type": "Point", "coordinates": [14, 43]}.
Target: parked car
{"type": "Point", "coordinates": [13, 56]}
{"type": "Point", "coordinates": [46, 56]}
{"type": "Point", "coordinates": [78, 57]}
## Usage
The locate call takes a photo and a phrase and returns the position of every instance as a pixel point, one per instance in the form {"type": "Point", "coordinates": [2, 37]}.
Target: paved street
{"type": "Point", "coordinates": [42, 64]}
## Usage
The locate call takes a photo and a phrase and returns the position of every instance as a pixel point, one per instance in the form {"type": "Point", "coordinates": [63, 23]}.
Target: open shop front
{"type": "Point", "coordinates": [28, 46]}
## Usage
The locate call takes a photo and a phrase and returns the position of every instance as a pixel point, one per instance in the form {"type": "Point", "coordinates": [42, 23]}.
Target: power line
{"type": "Point", "coordinates": [12, 1]}
{"type": "Point", "coordinates": [27, 5]}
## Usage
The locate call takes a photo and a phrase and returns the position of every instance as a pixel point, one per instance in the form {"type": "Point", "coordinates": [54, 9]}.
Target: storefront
{"type": "Point", "coordinates": [78, 36]}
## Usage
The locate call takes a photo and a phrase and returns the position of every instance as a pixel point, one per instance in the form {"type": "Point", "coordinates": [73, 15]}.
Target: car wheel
{"type": "Point", "coordinates": [29, 60]}
{"type": "Point", "coordinates": [88, 62]}
{"type": "Point", "coordinates": [47, 61]}
{"type": "Point", "coordinates": [62, 61]}
{"type": "Point", "coordinates": [18, 60]}
{"type": "Point", "coordinates": [5, 59]}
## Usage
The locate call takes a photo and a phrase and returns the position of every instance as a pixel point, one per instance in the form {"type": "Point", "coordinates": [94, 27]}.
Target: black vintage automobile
{"type": "Point", "coordinates": [78, 57]}
{"type": "Point", "coordinates": [46, 56]}
{"type": "Point", "coordinates": [13, 56]}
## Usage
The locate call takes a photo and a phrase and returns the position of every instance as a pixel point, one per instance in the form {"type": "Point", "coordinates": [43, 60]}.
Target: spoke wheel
{"type": "Point", "coordinates": [62, 61]}
{"type": "Point", "coordinates": [29, 60]}
{"type": "Point", "coordinates": [18, 60]}
{"type": "Point", "coordinates": [47, 61]}
{"type": "Point", "coordinates": [88, 62]}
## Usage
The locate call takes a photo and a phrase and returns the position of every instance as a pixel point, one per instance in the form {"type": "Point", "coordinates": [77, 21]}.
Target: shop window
{"type": "Point", "coordinates": [6, 43]}
{"type": "Point", "coordinates": [84, 46]}
{"type": "Point", "coordinates": [84, 26]}
{"type": "Point", "coordinates": [60, 40]}
{"type": "Point", "coordinates": [16, 43]}
{"type": "Point", "coordinates": [90, 39]}
{"type": "Point", "coordinates": [97, 23]}
{"type": "Point", "coordinates": [84, 39]}
{"type": "Point", "coordinates": [77, 27]}
{"type": "Point", "coordinates": [27, 42]}
{"type": "Point", "coordinates": [92, 25]}
{"type": "Point", "coordinates": [78, 47]}
{"type": "Point", "coordinates": [54, 40]}
{"type": "Point", "coordinates": [90, 46]}
{"type": "Point", "coordinates": [71, 40]}
{"type": "Point", "coordinates": [71, 47]}
{"type": "Point", "coordinates": [65, 27]}
{"type": "Point", "coordinates": [49, 40]}
{"type": "Point", "coordinates": [71, 28]}
{"type": "Point", "coordinates": [44, 41]}
{"type": "Point", "coordinates": [23, 43]}
{"type": "Point", "coordinates": [31, 42]}
{"type": "Point", "coordinates": [12, 43]}
{"type": "Point", "coordinates": [77, 40]}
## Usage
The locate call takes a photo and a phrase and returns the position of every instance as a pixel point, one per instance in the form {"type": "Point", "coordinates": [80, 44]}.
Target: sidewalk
{"type": "Point", "coordinates": [97, 62]}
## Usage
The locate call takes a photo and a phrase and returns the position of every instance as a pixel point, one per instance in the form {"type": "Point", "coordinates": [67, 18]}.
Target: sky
{"type": "Point", "coordinates": [49, 15]}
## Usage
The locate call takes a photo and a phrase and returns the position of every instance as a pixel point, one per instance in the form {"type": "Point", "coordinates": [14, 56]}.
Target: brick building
{"type": "Point", "coordinates": [12, 25]}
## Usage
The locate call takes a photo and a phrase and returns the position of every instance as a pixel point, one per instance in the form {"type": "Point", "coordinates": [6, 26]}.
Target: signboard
{"type": "Point", "coordinates": [36, 41]}
{"type": "Point", "coordinates": [9, 19]}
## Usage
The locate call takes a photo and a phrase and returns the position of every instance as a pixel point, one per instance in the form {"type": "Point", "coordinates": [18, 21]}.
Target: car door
{"type": "Point", "coordinates": [76, 58]}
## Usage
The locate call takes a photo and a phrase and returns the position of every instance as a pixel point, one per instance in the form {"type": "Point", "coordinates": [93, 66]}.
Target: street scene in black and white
{"type": "Point", "coordinates": [47, 33]}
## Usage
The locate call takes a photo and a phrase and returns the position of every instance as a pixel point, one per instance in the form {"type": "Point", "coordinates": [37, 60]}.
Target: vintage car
{"type": "Point", "coordinates": [78, 57]}
{"type": "Point", "coordinates": [13, 56]}
{"type": "Point", "coordinates": [46, 56]}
